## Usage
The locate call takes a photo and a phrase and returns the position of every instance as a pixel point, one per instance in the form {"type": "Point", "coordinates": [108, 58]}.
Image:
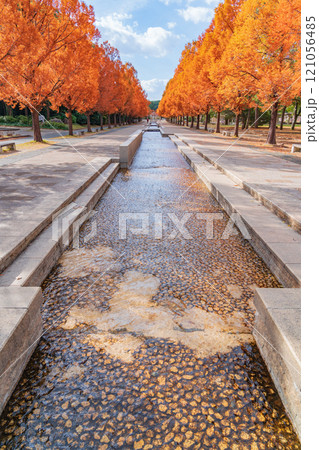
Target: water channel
{"type": "Point", "coordinates": [148, 341]}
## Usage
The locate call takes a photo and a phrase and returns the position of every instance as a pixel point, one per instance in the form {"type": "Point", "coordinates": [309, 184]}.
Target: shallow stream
{"type": "Point", "coordinates": [148, 341]}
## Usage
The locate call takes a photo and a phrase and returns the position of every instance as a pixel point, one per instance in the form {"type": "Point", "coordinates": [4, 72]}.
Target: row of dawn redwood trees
{"type": "Point", "coordinates": [248, 57]}
{"type": "Point", "coordinates": [49, 54]}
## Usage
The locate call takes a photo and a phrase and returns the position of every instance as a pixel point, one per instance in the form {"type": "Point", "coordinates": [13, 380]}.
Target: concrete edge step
{"type": "Point", "coordinates": [282, 258]}
{"type": "Point", "coordinates": [277, 331]}
{"type": "Point", "coordinates": [278, 310]}
{"type": "Point", "coordinates": [20, 296]}
{"type": "Point", "coordinates": [33, 265]}
{"type": "Point", "coordinates": [20, 331]}
{"type": "Point", "coordinates": [68, 191]}
{"type": "Point", "coordinates": [268, 203]}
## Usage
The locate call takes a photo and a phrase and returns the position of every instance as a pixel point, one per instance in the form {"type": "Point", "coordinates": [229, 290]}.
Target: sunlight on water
{"type": "Point", "coordinates": [133, 316]}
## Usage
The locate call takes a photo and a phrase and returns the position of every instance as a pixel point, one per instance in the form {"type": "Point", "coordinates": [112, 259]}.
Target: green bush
{"type": "Point", "coordinates": [80, 118]}
{"type": "Point", "coordinates": [24, 120]}
{"type": "Point", "coordinates": [58, 126]}
{"type": "Point", "coordinates": [10, 119]}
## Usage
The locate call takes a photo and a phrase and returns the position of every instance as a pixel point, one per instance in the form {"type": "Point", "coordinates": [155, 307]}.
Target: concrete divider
{"type": "Point", "coordinates": [277, 334]}
{"type": "Point", "coordinates": [20, 294]}
{"type": "Point", "coordinates": [40, 217]}
{"type": "Point", "coordinates": [128, 149]}
{"type": "Point", "coordinates": [278, 313]}
{"type": "Point", "coordinates": [20, 331]}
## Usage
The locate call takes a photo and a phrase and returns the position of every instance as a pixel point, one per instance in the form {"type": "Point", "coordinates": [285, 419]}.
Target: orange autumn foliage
{"type": "Point", "coordinates": [49, 54]}
{"type": "Point", "coordinates": [249, 55]}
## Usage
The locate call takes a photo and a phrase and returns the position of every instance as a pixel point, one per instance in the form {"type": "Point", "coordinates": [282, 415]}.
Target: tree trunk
{"type": "Point", "coordinates": [218, 122]}
{"type": "Point", "coordinates": [273, 122]}
{"type": "Point", "coordinates": [248, 119]}
{"type": "Point", "coordinates": [206, 121]}
{"type": "Point", "coordinates": [187, 120]}
{"type": "Point", "coordinates": [282, 117]}
{"type": "Point", "coordinates": [36, 126]}
{"type": "Point", "coordinates": [26, 111]}
{"type": "Point", "coordinates": [192, 121]}
{"type": "Point", "coordinates": [243, 121]}
{"type": "Point", "coordinates": [69, 114]}
{"type": "Point", "coordinates": [296, 114]}
{"type": "Point", "coordinates": [9, 110]}
{"type": "Point", "coordinates": [108, 121]}
{"type": "Point", "coordinates": [88, 121]}
{"type": "Point", "coordinates": [101, 121]}
{"type": "Point", "coordinates": [197, 123]}
{"type": "Point", "coordinates": [114, 119]}
{"type": "Point", "coordinates": [47, 112]}
{"type": "Point", "coordinates": [256, 117]}
{"type": "Point", "coordinates": [237, 125]}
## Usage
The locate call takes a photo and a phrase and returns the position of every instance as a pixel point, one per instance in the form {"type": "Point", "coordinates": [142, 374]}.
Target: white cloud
{"type": "Point", "coordinates": [196, 14]}
{"type": "Point", "coordinates": [171, 25]}
{"type": "Point", "coordinates": [154, 87]}
{"type": "Point", "coordinates": [169, 2]}
{"type": "Point", "coordinates": [153, 42]}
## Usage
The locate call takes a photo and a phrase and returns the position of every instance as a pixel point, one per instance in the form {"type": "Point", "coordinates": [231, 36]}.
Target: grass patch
{"type": "Point", "coordinates": [33, 145]}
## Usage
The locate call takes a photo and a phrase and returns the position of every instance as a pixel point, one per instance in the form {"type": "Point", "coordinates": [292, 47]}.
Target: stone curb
{"type": "Point", "coordinates": [68, 191]}
{"type": "Point", "coordinates": [268, 203]}
{"type": "Point", "coordinates": [277, 334]}
{"type": "Point", "coordinates": [278, 310]}
{"type": "Point", "coordinates": [21, 300]}
{"type": "Point", "coordinates": [129, 148]}
{"type": "Point", "coordinates": [20, 331]}
{"type": "Point", "coordinates": [281, 255]}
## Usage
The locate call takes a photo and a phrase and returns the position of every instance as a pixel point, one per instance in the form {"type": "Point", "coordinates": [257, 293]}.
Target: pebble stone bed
{"type": "Point", "coordinates": [157, 392]}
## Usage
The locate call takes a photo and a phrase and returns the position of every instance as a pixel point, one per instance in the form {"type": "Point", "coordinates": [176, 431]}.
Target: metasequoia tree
{"type": "Point", "coordinates": [49, 55]}
{"type": "Point", "coordinates": [263, 54]}
{"type": "Point", "coordinates": [249, 56]}
{"type": "Point", "coordinates": [80, 89]}
{"type": "Point", "coordinates": [109, 92]}
{"type": "Point", "coordinates": [35, 77]}
{"type": "Point", "coordinates": [215, 41]}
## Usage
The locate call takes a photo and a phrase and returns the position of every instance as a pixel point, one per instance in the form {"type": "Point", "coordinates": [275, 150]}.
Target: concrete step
{"type": "Point", "coordinates": [21, 299]}
{"type": "Point", "coordinates": [14, 241]}
{"type": "Point", "coordinates": [277, 331]}
{"type": "Point", "coordinates": [20, 331]}
{"type": "Point", "coordinates": [278, 209]}
{"type": "Point", "coordinates": [273, 240]}
{"type": "Point", "coordinates": [277, 323]}
{"type": "Point", "coordinates": [33, 265]}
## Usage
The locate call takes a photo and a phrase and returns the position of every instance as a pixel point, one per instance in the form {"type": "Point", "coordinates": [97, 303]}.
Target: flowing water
{"type": "Point", "coordinates": [148, 340]}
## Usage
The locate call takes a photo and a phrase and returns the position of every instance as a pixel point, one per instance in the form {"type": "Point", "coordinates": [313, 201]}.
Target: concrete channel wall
{"type": "Point", "coordinates": [128, 149]}
{"type": "Point", "coordinates": [20, 294]}
{"type": "Point", "coordinates": [278, 311]}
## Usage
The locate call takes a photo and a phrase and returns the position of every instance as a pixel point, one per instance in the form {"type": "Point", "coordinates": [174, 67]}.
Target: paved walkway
{"type": "Point", "coordinates": [272, 178]}
{"type": "Point", "coordinates": [30, 181]}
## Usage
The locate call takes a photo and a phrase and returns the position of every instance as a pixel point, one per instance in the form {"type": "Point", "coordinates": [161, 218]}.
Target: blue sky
{"type": "Point", "coordinates": [151, 34]}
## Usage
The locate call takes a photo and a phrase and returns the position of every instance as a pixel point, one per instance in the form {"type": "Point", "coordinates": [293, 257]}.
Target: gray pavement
{"type": "Point", "coordinates": [28, 133]}
{"type": "Point", "coordinates": [275, 180]}
{"type": "Point", "coordinates": [30, 181]}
